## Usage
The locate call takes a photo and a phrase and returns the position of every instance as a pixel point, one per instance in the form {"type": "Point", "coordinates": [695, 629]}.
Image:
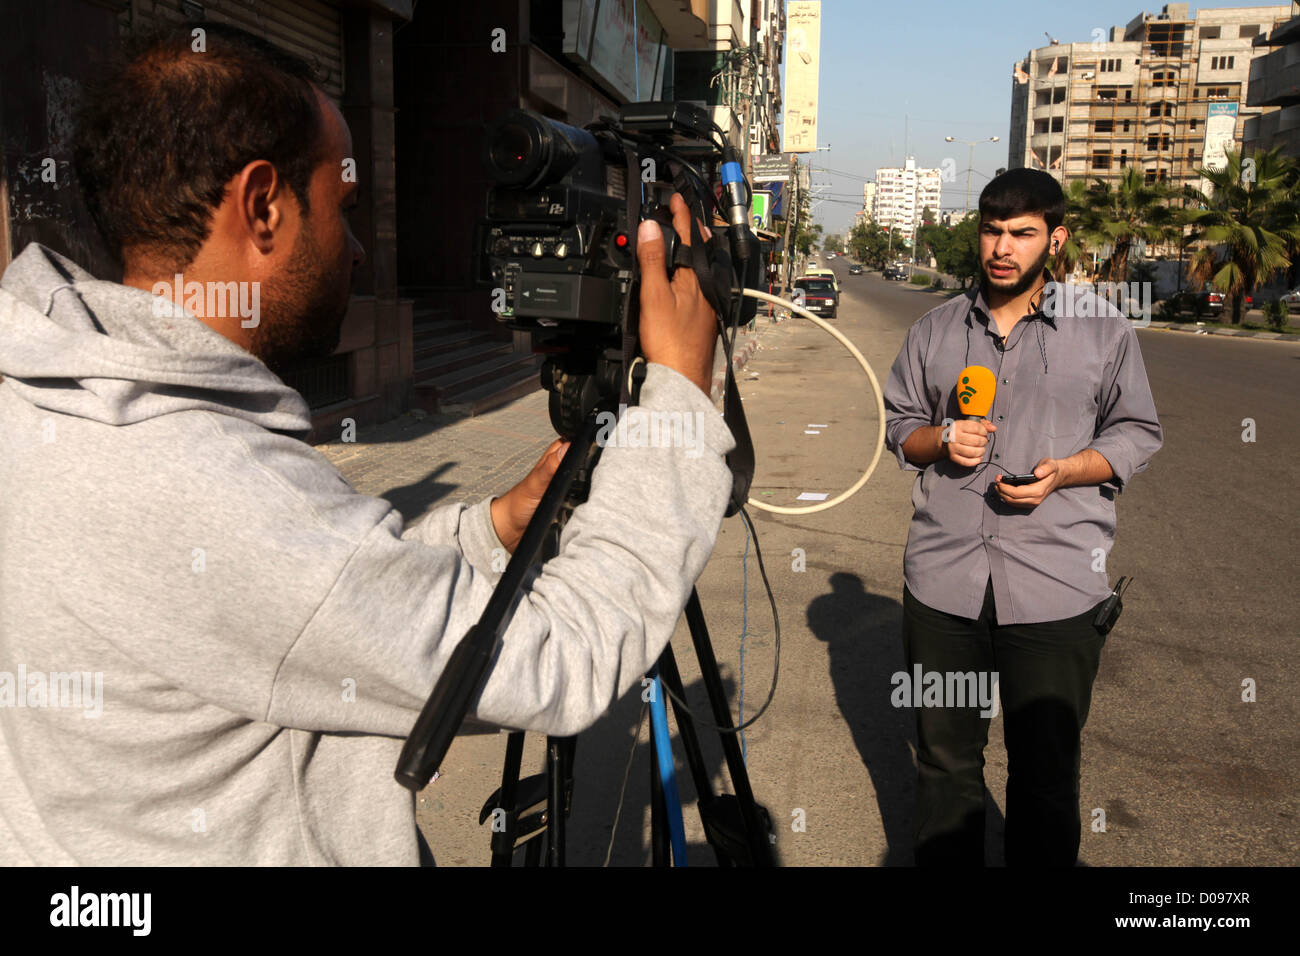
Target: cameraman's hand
{"type": "Point", "coordinates": [968, 441]}
{"type": "Point", "coordinates": [513, 510]}
{"type": "Point", "coordinates": [678, 327]}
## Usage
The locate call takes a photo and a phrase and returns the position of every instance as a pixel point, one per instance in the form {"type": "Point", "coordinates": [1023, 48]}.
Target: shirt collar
{"type": "Point", "coordinates": [980, 307]}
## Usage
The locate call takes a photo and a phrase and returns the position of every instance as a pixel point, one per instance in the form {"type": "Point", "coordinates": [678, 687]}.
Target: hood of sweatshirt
{"type": "Point", "coordinates": [98, 350]}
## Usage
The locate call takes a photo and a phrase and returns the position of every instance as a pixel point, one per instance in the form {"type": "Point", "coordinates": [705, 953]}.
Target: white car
{"type": "Point", "coordinates": [1292, 300]}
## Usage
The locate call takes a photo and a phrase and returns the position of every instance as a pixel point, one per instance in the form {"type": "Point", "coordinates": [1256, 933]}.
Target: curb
{"type": "Point", "coordinates": [1234, 333]}
{"type": "Point", "coordinates": [739, 359]}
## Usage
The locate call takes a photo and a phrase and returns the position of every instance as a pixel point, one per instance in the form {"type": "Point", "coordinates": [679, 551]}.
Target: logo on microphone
{"type": "Point", "coordinates": [967, 393]}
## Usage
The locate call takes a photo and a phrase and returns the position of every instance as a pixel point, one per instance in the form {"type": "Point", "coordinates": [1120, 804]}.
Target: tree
{"type": "Point", "coordinates": [868, 243]}
{"type": "Point", "coordinates": [1247, 223]}
{"type": "Point", "coordinates": [962, 254]}
{"type": "Point", "coordinates": [833, 244]}
{"type": "Point", "coordinates": [1117, 217]}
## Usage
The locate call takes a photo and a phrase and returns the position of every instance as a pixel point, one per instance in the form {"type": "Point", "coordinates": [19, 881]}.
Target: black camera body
{"type": "Point", "coordinates": [556, 237]}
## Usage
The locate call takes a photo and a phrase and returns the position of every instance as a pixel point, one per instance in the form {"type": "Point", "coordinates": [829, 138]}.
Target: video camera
{"type": "Point", "coordinates": [559, 236]}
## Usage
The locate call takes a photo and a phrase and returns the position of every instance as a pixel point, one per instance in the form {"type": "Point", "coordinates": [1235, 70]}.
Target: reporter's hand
{"type": "Point", "coordinates": [968, 440]}
{"type": "Point", "coordinates": [1050, 474]}
{"type": "Point", "coordinates": [678, 327]}
{"type": "Point", "coordinates": [513, 510]}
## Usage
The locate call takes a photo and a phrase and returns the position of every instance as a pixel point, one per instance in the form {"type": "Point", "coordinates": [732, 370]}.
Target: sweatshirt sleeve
{"type": "Point", "coordinates": [583, 632]}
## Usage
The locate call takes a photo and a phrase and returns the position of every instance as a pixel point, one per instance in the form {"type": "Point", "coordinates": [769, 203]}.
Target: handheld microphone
{"type": "Point", "coordinates": [743, 243]}
{"type": "Point", "coordinates": [976, 386]}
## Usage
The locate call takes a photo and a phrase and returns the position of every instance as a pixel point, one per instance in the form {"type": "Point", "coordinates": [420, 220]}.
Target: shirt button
{"type": "Point", "coordinates": [995, 457]}
{"type": "Point", "coordinates": [1006, 381]}
{"type": "Point", "coordinates": [993, 537]}
{"type": "Point", "coordinates": [999, 418]}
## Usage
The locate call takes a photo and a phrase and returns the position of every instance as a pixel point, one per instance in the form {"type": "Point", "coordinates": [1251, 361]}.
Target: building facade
{"type": "Point", "coordinates": [902, 193]}
{"type": "Point", "coordinates": [1275, 87]}
{"type": "Point", "coordinates": [1160, 93]}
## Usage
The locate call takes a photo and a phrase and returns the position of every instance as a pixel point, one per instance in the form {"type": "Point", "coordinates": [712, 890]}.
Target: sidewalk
{"type": "Point", "coordinates": [419, 460]}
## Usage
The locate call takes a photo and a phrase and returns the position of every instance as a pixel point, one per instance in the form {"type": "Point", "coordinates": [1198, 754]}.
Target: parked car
{"type": "Point", "coordinates": [1205, 301]}
{"type": "Point", "coordinates": [894, 272]}
{"type": "Point", "coordinates": [820, 297]}
{"type": "Point", "coordinates": [826, 273]}
{"type": "Point", "coordinates": [856, 270]}
{"type": "Point", "coordinates": [1292, 299]}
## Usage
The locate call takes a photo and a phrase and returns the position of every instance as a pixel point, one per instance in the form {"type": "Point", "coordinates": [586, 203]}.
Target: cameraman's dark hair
{"type": "Point", "coordinates": [1023, 192]}
{"type": "Point", "coordinates": [163, 130]}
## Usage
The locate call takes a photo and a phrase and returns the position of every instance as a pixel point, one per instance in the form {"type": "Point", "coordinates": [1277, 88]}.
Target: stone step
{"type": "Point", "coordinates": [484, 398]}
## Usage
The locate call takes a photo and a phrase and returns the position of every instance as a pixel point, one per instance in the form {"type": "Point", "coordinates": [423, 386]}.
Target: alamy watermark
{"type": "Point", "coordinates": [923, 688]}
{"type": "Point", "coordinates": [1088, 300]}
{"type": "Point", "coordinates": [64, 689]}
{"type": "Point", "coordinates": [209, 299]}
{"type": "Point", "coordinates": [652, 428]}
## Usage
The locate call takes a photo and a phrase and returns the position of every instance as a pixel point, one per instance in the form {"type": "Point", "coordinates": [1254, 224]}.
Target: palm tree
{"type": "Point", "coordinates": [1248, 223]}
{"type": "Point", "coordinates": [1117, 216]}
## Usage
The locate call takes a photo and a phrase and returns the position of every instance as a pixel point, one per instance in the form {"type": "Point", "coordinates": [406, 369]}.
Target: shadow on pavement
{"type": "Point", "coordinates": [864, 637]}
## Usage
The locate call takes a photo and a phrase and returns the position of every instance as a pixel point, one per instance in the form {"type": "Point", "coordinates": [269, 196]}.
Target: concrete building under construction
{"type": "Point", "coordinates": [1167, 93]}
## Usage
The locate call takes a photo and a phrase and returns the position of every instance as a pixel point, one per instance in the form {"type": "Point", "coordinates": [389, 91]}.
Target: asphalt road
{"type": "Point", "coordinates": [1184, 770]}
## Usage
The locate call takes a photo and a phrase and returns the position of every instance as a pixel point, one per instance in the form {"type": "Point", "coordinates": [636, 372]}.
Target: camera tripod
{"type": "Point", "coordinates": [532, 812]}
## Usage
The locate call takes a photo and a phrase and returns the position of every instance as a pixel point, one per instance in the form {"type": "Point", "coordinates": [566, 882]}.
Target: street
{"type": "Point", "coordinates": [1185, 772]}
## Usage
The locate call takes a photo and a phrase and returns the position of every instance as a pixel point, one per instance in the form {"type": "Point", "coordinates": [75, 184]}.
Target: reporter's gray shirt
{"type": "Point", "coordinates": [1064, 383]}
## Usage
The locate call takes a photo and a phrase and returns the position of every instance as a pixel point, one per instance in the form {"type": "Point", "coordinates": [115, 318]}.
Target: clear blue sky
{"type": "Point", "coordinates": [947, 65]}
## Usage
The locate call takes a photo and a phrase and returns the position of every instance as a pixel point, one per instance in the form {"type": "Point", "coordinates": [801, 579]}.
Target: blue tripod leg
{"type": "Point", "coordinates": [667, 772]}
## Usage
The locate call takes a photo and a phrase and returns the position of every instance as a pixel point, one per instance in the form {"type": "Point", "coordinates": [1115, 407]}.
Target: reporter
{"type": "Point", "coordinates": [266, 636]}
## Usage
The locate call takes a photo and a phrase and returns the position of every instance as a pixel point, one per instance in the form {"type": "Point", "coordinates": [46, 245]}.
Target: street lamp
{"type": "Point", "coordinates": [971, 164]}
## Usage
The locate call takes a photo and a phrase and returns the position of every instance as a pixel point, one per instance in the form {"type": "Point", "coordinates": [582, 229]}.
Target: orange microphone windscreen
{"type": "Point", "coordinates": [975, 387]}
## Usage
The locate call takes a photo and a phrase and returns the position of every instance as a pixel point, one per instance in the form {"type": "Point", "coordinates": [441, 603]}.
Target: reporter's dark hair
{"type": "Point", "coordinates": [164, 128]}
{"type": "Point", "coordinates": [1023, 192]}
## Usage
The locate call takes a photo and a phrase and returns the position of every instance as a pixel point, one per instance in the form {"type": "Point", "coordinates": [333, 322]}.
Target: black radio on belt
{"type": "Point", "coordinates": [1110, 611]}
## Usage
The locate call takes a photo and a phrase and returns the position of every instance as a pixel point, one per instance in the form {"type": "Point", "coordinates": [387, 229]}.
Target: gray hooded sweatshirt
{"type": "Point", "coordinates": [211, 646]}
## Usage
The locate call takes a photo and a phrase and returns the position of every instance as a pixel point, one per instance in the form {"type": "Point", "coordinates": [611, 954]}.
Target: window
{"type": "Point", "coordinates": [1101, 159]}
{"type": "Point", "coordinates": [1128, 96]}
{"type": "Point", "coordinates": [1126, 122]}
{"type": "Point", "coordinates": [1221, 62]}
{"type": "Point", "coordinates": [1210, 33]}
{"type": "Point", "coordinates": [1162, 109]}
{"type": "Point", "coordinates": [1191, 154]}
{"type": "Point", "coordinates": [1107, 93]}
{"type": "Point", "coordinates": [1153, 142]}
{"type": "Point", "coordinates": [1109, 66]}
{"type": "Point", "coordinates": [1123, 158]}
{"type": "Point", "coordinates": [1247, 33]}
{"type": "Point", "coordinates": [1105, 126]}
{"type": "Point", "coordinates": [1193, 123]}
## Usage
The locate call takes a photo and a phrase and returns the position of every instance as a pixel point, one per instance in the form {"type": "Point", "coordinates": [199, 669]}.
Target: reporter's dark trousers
{"type": "Point", "coordinates": [1045, 673]}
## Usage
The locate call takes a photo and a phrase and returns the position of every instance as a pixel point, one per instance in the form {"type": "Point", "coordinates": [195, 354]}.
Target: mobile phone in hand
{"type": "Point", "coordinates": [1017, 480]}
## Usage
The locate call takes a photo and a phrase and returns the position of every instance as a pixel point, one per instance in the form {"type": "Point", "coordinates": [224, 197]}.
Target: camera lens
{"type": "Point", "coordinates": [511, 149]}
{"type": "Point", "coordinates": [524, 150]}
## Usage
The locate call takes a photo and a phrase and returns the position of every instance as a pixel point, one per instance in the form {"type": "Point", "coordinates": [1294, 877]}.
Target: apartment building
{"type": "Point", "coordinates": [1275, 87]}
{"type": "Point", "coordinates": [902, 193]}
{"type": "Point", "coordinates": [1168, 93]}
{"type": "Point", "coordinates": [868, 200]}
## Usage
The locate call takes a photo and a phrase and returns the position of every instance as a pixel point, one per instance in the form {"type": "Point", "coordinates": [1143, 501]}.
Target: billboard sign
{"type": "Point", "coordinates": [803, 62]}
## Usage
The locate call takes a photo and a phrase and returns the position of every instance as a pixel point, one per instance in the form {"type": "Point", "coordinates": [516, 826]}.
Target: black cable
{"type": "Point", "coordinates": [776, 651]}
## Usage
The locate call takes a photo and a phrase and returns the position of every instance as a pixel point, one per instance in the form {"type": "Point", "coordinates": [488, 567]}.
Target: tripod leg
{"type": "Point", "coordinates": [659, 849]}
{"type": "Point", "coordinates": [559, 769]}
{"type": "Point", "coordinates": [503, 843]}
{"type": "Point", "coordinates": [672, 680]}
{"type": "Point", "coordinates": [755, 829]}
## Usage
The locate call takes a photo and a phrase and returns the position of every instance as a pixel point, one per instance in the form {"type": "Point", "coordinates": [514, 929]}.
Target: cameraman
{"type": "Point", "coordinates": [265, 636]}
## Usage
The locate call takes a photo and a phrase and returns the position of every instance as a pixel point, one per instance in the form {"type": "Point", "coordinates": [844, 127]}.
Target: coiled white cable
{"type": "Point", "coordinates": [880, 411]}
